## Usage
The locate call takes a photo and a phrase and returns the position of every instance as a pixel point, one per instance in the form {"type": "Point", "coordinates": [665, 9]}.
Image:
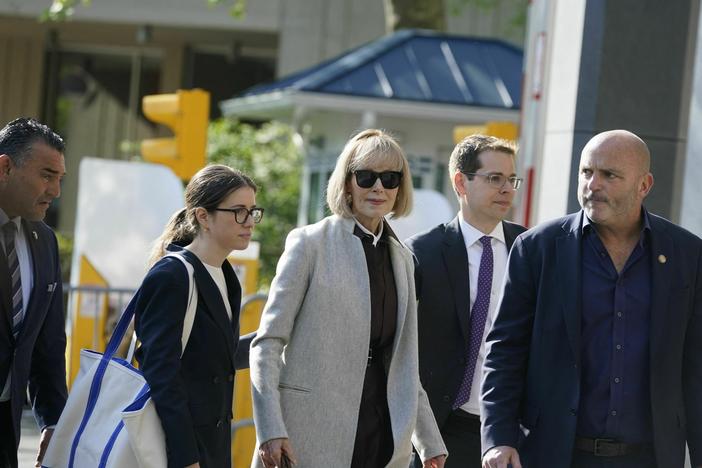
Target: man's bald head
{"type": "Point", "coordinates": [622, 143]}
{"type": "Point", "coordinates": [614, 178]}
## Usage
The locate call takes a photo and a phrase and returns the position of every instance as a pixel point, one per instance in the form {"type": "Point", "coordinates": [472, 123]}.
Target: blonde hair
{"type": "Point", "coordinates": [206, 189]}
{"type": "Point", "coordinates": [367, 148]}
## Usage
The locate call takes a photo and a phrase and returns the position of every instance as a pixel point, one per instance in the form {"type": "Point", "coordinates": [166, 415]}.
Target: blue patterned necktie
{"type": "Point", "coordinates": [10, 230]}
{"type": "Point", "coordinates": [478, 316]}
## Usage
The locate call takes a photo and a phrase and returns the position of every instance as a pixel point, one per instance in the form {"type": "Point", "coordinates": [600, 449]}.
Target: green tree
{"type": "Point", "coordinates": [271, 157]}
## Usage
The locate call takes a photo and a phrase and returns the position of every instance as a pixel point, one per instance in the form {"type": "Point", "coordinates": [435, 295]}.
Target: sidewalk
{"type": "Point", "coordinates": [29, 443]}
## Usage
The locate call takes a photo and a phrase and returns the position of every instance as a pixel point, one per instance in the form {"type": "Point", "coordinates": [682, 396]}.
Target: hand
{"type": "Point", "coordinates": [500, 457]}
{"type": "Point", "coordinates": [271, 452]}
{"type": "Point", "coordinates": [194, 465]}
{"type": "Point", "coordinates": [43, 444]}
{"type": "Point", "coordinates": [436, 462]}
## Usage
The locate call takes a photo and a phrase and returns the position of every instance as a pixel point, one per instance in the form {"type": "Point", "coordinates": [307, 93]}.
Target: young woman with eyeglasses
{"type": "Point", "coordinates": [334, 366]}
{"type": "Point", "coordinates": [193, 393]}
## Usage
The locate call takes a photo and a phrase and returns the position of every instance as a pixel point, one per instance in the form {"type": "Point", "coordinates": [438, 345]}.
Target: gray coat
{"type": "Point", "coordinates": [308, 361]}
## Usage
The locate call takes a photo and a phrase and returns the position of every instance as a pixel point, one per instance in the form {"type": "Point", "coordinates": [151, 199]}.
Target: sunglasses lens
{"type": "Point", "coordinates": [365, 179]}
{"type": "Point", "coordinates": [390, 180]}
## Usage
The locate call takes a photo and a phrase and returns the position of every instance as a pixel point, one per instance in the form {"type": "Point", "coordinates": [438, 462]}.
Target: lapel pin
{"type": "Point", "coordinates": [662, 259]}
{"type": "Point", "coordinates": [34, 233]}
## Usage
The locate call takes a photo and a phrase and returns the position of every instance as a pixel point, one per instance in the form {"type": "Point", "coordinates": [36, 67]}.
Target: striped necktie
{"type": "Point", "coordinates": [10, 230]}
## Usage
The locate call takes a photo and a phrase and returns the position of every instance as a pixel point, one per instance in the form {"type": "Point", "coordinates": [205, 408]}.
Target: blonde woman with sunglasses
{"type": "Point", "coordinates": [334, 366]}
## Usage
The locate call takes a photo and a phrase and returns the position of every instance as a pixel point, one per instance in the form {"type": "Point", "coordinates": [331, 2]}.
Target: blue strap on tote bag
{"type": "Point", "coordinates": [110, 420]}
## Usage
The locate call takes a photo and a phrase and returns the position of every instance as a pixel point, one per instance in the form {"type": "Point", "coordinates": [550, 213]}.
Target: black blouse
{"type": "Point", "coordinates": [383, 293]}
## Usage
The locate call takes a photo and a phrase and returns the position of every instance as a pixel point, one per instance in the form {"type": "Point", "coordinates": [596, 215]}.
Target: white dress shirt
{"type": "Point", "coordinates": [376, 237]}
{"type": "Point", "coordinates": [474, 248]}
{"type": "Point", "coordinates": [25, 263]}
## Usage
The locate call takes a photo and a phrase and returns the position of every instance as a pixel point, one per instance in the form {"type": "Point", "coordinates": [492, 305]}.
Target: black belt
{"type": "Point", "coordinates": [462, 421]}
{"type": "Point", "coordinates": [608, 447]}
{"type": "Point", "coordinates": [459, 413]}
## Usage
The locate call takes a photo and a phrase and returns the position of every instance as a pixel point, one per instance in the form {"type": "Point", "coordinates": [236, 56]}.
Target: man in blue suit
{"type": "Point", "coordinates": [594, 358]}
{"type": "Point", "coordinates": [32, 337]}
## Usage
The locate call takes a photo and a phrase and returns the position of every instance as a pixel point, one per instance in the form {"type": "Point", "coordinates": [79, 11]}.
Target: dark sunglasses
{"type": "Point", "coordinates": [389, 179]}
{"type": "Point", "coordinates": [241, 215]}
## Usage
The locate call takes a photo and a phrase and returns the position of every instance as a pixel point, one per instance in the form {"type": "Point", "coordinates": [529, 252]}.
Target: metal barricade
{"type": "Point", "coordinates": [92, 313]}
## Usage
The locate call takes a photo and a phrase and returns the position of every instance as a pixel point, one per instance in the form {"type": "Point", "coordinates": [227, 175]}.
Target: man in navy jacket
{"type": "Point", "coordinates": [594, 357]}
{"type": "Point", "coordinates": [32, 337]}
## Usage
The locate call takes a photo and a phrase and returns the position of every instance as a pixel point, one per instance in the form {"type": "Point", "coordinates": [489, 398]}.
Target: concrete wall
{"type": "Point", "coordinates": [21, 72]}
{"type": "Point", "coordinates": [262, 15]}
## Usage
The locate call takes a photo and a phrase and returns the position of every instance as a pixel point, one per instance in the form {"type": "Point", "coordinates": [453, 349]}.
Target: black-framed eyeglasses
{"type": "Point", "coordinates": [241, 214]}
{"type": "Point", "coordinates": [366, 178]}
{"type": "Point", "coordinates": [499, 180]}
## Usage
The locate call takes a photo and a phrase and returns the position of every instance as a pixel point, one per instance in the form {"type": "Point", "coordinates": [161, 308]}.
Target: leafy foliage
{"type": "Point", "coordinates": [270, 155]}
{"type": "Point", "coordinates": [61, 10]}
{"type": "Point", "coordinates": [237, 10]}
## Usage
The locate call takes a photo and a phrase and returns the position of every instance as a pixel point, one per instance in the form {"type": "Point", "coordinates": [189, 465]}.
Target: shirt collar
{"type": "Point", "coordinates": [471, 234]}
{"type": "Point", "coordinates": [4, 218]}
{"type": "Point", "coordinates": [588, 226]}
{"type": "Point", "coordinates": [377, 237]}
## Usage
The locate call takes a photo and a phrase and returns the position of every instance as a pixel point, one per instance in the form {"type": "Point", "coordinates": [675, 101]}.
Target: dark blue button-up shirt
{"type": "Point", "coordinates": [614, 394]}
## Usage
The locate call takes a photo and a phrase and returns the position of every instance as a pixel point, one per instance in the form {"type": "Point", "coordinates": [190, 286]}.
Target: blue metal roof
{"type": "Point", "coordinates": [417, 65]}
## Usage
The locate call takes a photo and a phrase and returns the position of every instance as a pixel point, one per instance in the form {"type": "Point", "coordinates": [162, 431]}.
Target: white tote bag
{"type": "Point", "coordinates": [109, 420]}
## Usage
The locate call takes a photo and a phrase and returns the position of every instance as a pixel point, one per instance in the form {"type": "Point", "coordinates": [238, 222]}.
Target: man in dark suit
{"type": "Point", "coordinates": [459, 273]}
{"type": "Point", "coordinates": [32, 337]}
{"type": "Point", "coordinates": [594, 357]}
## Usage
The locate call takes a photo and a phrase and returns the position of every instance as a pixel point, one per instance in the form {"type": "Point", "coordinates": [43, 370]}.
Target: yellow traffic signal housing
{"type": "Point", "coordinates": [187, 114]}
{"type": "Point", "coordinates": [505, 130]}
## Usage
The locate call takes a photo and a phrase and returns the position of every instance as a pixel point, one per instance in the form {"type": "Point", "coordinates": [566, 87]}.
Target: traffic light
{"type": "Point", "coordinates": [187, 114]}
{"type": "Point", "coordinates": [505, 130]}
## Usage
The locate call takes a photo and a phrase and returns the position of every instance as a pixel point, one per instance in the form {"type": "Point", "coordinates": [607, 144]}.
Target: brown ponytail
{"type": "Point", "coordinates": [178, 231]}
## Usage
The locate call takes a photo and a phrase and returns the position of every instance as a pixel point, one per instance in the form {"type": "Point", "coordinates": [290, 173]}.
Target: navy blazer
{"type": "Point", "coordinates": [441, 278]}
{"type": "Point", "coordinates": [37, 357]}
{"type": "Point", "coordinates": [532, 367]}
{"type": "Point", "coordinates": [193, 394]}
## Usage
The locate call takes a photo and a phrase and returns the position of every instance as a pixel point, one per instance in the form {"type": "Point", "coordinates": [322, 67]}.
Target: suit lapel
{"type": "Point", "coordinates": [352, 257]}
{"type": "Point", "coordinates": [234, 293]}
{"type": "Point", "coordinates": [456, 260]}
{"type": "Point", "coordinates": [5, 306]}
{"type": "Point", "coordinates": [663, 264]}
{"type": "Point", "coordinates": [510, 234]}
{"type": "Point", "coordinates": [208, 293]}
{"type": "Point", "coordinates": [401, 261]}
{"type": "Point", "coordinates": [568, 258]}
{"type": "Point", "coordinates": [37, 250]}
